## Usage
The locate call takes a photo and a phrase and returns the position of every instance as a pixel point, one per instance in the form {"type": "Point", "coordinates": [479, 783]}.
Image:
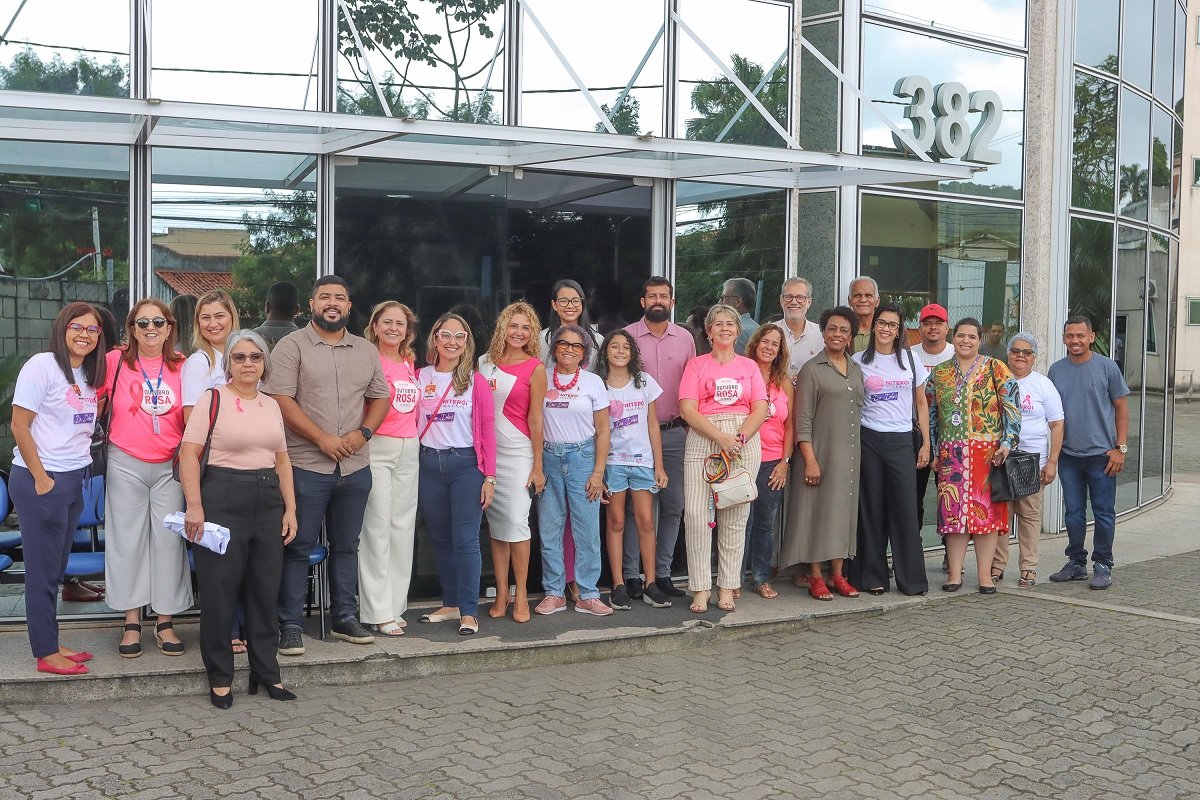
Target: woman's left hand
{"type": "Point", "coordinates": [660, 478]}
{"type": "Point", "coordinates": [486, 494]}
{"type": "Point", "coordinates": [289, 526]}
{"type": "Point", "coordinates": [779, 476]}
{"type": "Point", "coordinates": [595, 486]}
{"type": "Point", "coordinates": [1000, 455]}
{"type": "Point", "coordinates": [537, 480]}
{"type": "Point", "coordinates": [923, 457]}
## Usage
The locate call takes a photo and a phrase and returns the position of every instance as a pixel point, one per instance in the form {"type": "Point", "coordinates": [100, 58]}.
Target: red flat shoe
{"type": "Point", "coordinates": [80, 658]}
{"type": "Point", "coordinates": [843, 587]}
{"type": "Point", "coordinates": [45, 666]}
{"type": "Point", "coordinates": [817, 588]}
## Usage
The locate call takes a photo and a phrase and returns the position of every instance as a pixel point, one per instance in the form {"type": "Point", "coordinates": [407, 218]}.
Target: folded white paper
{"type": "Point", "coordinates": [214, 537]}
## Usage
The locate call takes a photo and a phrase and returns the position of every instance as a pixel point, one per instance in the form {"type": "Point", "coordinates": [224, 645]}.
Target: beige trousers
{"type": "Point", "coordinates": [1029, 534]}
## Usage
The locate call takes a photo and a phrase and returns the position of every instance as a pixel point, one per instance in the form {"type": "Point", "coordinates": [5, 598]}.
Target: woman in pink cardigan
{"type": "Point", "coordinates": [458, 466]}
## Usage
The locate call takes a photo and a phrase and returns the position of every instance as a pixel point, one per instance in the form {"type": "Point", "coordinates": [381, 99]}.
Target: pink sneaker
{"type": "Point", "coordinates": [551, 605]}
{"type": "Point", "coordinates": [595, 607]}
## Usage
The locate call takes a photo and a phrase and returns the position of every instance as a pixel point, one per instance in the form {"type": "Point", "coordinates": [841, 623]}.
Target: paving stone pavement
{"type": "Point", "coordinates": [1014, 695]}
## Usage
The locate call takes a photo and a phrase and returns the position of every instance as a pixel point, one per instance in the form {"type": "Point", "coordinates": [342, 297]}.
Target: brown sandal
{"type": "Point", "coordinates": [725, 599]}
{"type": "Point", "coordinates": [1028, 578]}
{"type": "Point", "coordinates": [817, 588]}
{"type": "Point", "coordinates": [766, 592]}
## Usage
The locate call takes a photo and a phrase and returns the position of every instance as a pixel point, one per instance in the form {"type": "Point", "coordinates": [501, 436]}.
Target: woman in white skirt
{"type": "Point", "coordinates": [385, 547]}
{"type": "Point", "coordinates": [517, 377]}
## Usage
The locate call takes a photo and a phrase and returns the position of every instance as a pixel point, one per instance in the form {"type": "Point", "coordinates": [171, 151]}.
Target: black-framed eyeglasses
{"type": "Point", "coordinates": [574, 347]}
{"type": "Point", "coordinates": [76, 327]}
{"type": "Point", "coordinates": [794, 298]}
{"type": "Point", "coordinates": [241, 358]}
{"type": "Point", "coordinates": [1020, 351]}
{"type": "Point", "coordinates": [570, 302]}
{"type": "Point", "coordinates": [146, 322]}
{"type": "Point", "coordinates": [887, 325]}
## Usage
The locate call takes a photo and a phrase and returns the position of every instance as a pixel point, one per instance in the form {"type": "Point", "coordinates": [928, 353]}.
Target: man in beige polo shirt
{"type": "Point", "coordinates": [323, 378]}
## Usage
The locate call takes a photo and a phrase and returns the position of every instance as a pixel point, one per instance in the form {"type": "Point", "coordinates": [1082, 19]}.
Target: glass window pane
{"type": "Point", "coordinates": [1164, 49]}
{"type": "Point", "coordinates": [1000, 20]}
{"type": "Point", "coordinates": [230, 51]}
{"type": "Point", "coordinates": [753, 40]}
{"type": "Point", "coordinates": [1172, 336]}
{"type": "Point", "coordinates": [1128, 349]}
{"type": "Point", "coordinates": [1091, 289]}
{"type": "Point", "coordinates": [890, 54]}
{"type": "Point", "coordinates": [550, 98]}
{"type": "Point", "coordinates": [724, 232]}
{"type": "Point", "coordinates": [1181, 26]}
{"type": "Point", "coordinates": [1157, 361]}
{"type": "Point", "coordinates": [1134, 148]}
{"type": "Point", "coordinates": [1136, 40]}
{"type": "Point", "coordinates": [432, 59]}
{"type": "Point", "coordinates": [816, 248]}
{"type": "Point", "coordinates": [814, 7]}
{"type": "Point", "coordinates": [1096, 33]}
{"type": "Point", "coordinates": [1093, 177]}
{"type": "Point", "coordinates": [964, 256]}
{"type": "Point", "coordinates": [1177, 176]}
{"type": "Point", "coordinates": [83, 52]}
{"type": "Point", "coordinates": [820, 115]}
{"type": "Point", "coordinates": [1161, 169]}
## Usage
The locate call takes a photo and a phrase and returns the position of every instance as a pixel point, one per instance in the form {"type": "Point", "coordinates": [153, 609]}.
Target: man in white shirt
{"type": "Point", "coordinates": [803, 337]}
{"type": "Point", "coordinates": [934, 349]}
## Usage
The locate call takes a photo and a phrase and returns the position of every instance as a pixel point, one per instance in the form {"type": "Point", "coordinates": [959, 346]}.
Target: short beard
{"type": "Point", "coordinates": [332, 327]}
{"type": "Point", "coordinates": [658, 313]}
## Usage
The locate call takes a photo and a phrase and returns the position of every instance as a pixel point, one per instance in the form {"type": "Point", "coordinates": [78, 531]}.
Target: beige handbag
{"type": "Point", "coordinates": [730, 486]}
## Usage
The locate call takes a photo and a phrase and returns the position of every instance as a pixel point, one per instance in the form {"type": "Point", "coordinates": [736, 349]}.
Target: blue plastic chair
{"type": "Point", "coordinates": [86, 564]}
{"type": "Point", "coordinates": [5, 563]}
{"type": "Point", "coordinates": [318, 562]}
{"type": "Point", "coordinates": [9, 540]}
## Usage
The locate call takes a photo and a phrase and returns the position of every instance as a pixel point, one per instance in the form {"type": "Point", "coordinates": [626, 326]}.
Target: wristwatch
{"type": "Point", "coordinates": [1124, 448]}
{"type": "Point", "coordinates": [366, 432]}
{"type": "Point", "coordinates": [490, 479]}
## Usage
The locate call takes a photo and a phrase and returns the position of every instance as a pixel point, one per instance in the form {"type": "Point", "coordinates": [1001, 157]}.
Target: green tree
{"type": "Point", "coordinates": [29, 73]}
{"type": "Point", "coordinates": [719, 100]}
{"type": "Point", "coordinates": [282, 246]}
{"type": "Point", "coordinates": [627, 119]}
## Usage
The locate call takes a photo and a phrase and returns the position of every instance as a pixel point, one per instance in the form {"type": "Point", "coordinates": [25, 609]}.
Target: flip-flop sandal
{"type": "Point", "coordinates": [766, 592]}
{"type": "Point", "coordinates": [239, 646]}
{"type": "Point", "coordinates": [390, 629]}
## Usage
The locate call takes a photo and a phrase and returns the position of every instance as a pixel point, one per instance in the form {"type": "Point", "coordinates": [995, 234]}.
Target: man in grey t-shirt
{"type": "Point", "coordinates": [1094, 396]}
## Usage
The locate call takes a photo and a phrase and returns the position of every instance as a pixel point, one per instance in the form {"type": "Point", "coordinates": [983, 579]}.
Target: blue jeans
{"type": "Point", "coordinates": [1081, 477]}
{"type": "Point", "coordinates": [448, 489]}
{"type": "Point", "coordinates": [340, 502]}
{"type": "Point", "coordinates": [567, 468]}
{"type": "Point", "coordinates": [760, 526]}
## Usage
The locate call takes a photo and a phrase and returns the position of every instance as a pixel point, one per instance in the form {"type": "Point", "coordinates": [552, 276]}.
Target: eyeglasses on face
{"type": "Point", "coordinates": [570, 302]}
{"type": "Point", "coordinates": [1020, 351]}
{"type": "Point", "coordinates": [574, 347]}
{"type": "Point", "coordinates": [794, 298]}
{"type": "Point", "coordinates": [241, 358]}
{"type": "Point", "coordinates": [146, 322]}
{"type": "Point", "coordinates": [452, 336]}
{"type": "Point", "coordinates": [76, 327]}
{"type": "Point", "coordinates": [887, 325]}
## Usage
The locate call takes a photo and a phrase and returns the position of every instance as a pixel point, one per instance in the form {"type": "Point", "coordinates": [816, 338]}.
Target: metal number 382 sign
{"type": "Point", "coordinates": [938, 115]}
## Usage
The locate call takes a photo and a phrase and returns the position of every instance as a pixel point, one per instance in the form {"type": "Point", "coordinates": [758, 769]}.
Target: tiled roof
{"type": "Point", "coordinates": [196, 283]}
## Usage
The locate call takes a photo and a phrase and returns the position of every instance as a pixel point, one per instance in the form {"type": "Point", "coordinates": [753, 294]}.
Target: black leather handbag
{"type": "Point", "coordinates": [1019, 476]}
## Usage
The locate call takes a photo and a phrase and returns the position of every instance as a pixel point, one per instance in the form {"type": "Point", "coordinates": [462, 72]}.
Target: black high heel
{"type": "Point", "coordinates": [221, 701]}
{"type": "Point", "coordinates": [276, 692]}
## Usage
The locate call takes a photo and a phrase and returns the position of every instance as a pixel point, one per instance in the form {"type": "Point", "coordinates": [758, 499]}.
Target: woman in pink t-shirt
{"type": "Point", "coordinates": [385, 547]}
{"type": "Point", "coordinates": [144, 562]}
{"type": "Point", "coordinates": [514, 371]}
{"type": "Point", "coordinates": [769, 351]}
{"type": "Point", "coordinates": [723, 399]}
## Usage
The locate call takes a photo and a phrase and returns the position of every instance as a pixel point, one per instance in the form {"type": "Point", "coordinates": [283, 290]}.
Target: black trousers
{"type": "Point", "coordinates": [247, 502]}
{"type": "Point", "coordinates": [887, 514]}
{"type": "Point", "coordinates": [922, 484]}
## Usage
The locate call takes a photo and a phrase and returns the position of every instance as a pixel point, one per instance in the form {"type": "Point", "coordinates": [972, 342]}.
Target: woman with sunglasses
{"type": "Point", "coordinates": [894, 381]}
{"type": "Point", "coordinates": [53, 416]}
{"type": "Point", "coordinates": [518, 381]}
{"type": "Point", "coordinates": [568, 307]}
{"type": "Point", "coordinates": [247, 488]}
{"type": "Point", "coordinates": [723, 399]}
{"type": "Point", "coordinates": [144, 562]}
{"type": "Point", "coordinates": [457, 466]}
{"type": "Point", "coordinates": [575, 418]}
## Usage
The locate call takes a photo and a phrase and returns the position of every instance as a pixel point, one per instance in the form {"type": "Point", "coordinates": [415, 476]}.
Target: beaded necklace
{"type": "Point", "coordinates": [568, 386]}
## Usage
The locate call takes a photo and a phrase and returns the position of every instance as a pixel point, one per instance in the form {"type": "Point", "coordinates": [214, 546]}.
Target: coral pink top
{"type": "Point", "coordinates": [150, 390]}
{"type": "Point", "coordinates": [512, 384]}
{"type": "Point", "coordinates": [718, 388]}
{"type": "Point", "coordinates": [770, 435]}
{"type": "Point", "coordinates": [404, 399]}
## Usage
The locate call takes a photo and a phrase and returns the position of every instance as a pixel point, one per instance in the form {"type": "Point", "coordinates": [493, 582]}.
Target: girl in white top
{"type": "Point", "coordinates": [635, 462]}
{"type": "Point", "coordinates": [216, 318]}
{"type": "Point", "coordinates": [568, 307]}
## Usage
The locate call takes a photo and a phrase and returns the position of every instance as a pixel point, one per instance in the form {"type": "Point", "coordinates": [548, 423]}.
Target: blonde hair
{"type": "Point", "coordinates": [199, 343]}
{"type": "Point", "coordinates": [410, 317]}
{"type": "Point", "coordinates": [466, 363]}
{"type": "Point", "coordinates": [722, 308]}
{"type": "Point", "coordinates": [500, 332]}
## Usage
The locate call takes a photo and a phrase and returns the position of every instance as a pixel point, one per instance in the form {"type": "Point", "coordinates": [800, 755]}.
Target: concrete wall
{"type": "Point", "coordinates": [28, 308]}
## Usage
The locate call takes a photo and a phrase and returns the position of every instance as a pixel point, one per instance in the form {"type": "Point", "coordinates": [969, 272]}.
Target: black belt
{"type": "Point", "coordinates": [678, 422]}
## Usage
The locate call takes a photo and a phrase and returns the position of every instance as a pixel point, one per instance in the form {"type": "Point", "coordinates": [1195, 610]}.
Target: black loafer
{"type": "Point", "coordinates": [951, 587]}
{"type": "Point", "coordinates": [668, 588]}
{"type": "Point", "coordinates": [987, 589]}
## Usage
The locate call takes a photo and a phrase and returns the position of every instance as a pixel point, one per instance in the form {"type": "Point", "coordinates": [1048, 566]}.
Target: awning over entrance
{"type": "Point", "coordinates": [38, 117]}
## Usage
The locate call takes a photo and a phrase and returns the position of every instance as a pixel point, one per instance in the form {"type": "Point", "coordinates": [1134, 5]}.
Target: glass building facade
{"type": "Point", "coordinates": [463, 154]}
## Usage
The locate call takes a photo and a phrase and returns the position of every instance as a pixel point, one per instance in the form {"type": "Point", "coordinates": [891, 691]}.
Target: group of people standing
{"type": "Point", "coordinates": [327, 430]}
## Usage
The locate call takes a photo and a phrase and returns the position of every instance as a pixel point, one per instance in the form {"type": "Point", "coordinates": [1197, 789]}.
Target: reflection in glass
{"type": "Point", "coordinates": [816, 248]}
{"type": "Point", "coordinates": [266, 58]}
{"type": "Point", "coordinates": [1157, 361]}
{"type": "Point", "coordinates": [1176, 176]}
{"type": "Point", "coordinates": [1093, 174]}
{"type": "Point", "coordinates": [1000, 20]}
{"type": "Point", "coordinates": [819, 89]}
{"type": "Point", "coordinates": [890, 54]}
{"type": "Point", "coordinates": [1160, 169]}
{"type": "Point", "coordinates": [1128, 348]}
{"type": "Point", "coordinates": [1180, 35]}
{"type": "Point", "coordinates": [1091, 290]}
{"type": "Point", "coordinates": [755, 47]}
{"type": "Point", "coordinates": [1134, 149]}
{"type": "Point", "coordinates": [1172, 316]}
{"type": "Point", "coordinates": [433, 59]}
{"type": "Point", "coordinates": [83, 52]}
{"type": "Point", "coordinates": [813, 8]}
{"type": "Point", "coordinates": [1097, 26]}
{"type": "Point", "coordinates": [724, 232]}
{"type": "Point", "coordinates": [1137, 34]}
{"type": "Point", "coordinates": [626, 80]}
{"type": "Point", "coordinates": [1164, 49]}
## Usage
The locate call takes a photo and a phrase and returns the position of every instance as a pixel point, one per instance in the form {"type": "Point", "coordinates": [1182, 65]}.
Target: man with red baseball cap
{"type": "Point", "coordinates": [934, 349]}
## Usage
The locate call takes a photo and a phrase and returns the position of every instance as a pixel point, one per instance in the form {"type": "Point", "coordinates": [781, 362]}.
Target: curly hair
{"type": "Point", "coordinates": [466, 363]}
{"type": "Point", "coordinates": [495, 350]}
{"type": "Point", "coordinates": [778, 373]}
{"type": "Point", "coordinates": [410, 318]}
{"type": "Point", "coordinates": [636, 369]}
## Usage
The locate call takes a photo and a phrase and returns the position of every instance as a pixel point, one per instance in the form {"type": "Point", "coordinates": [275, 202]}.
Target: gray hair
{"type": "Point", "coordinates": [865, 279]}
{"type": "Point", "coordinates": [744, 289]}
{"type": "Point", "coordinates": [1025, 336]}
{"type": "Point", "coordinates": [585, 336]}
{"type": "Point", "coordinates": [797, 280]}
{"type": "Point", "coordinates": [722, 308]}
{"type": "Point", "coordinates": [236, 338]}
